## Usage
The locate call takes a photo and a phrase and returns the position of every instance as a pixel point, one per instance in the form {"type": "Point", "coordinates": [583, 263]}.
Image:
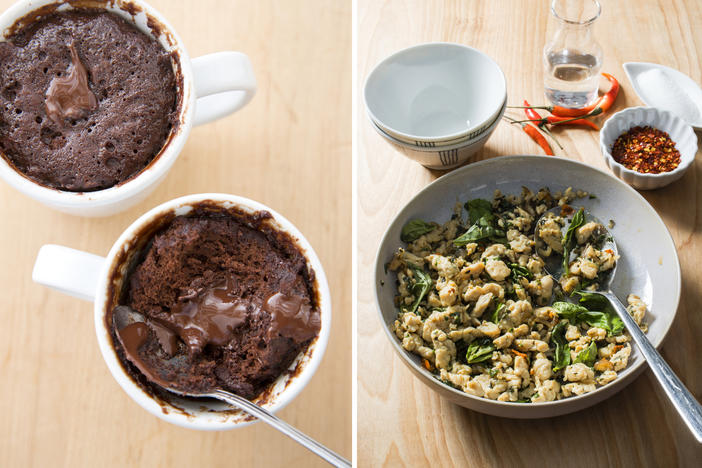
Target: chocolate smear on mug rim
{"type": "Point", "coordinates": [131, 256]}
{"type": "Point", "coordinates": [154, 29]}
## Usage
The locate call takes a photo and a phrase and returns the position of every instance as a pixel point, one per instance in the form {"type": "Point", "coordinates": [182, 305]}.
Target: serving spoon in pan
{"type": "Point", "coordinates": [683, 401]}
{"type": "Point", "coordinates": [131, 330]}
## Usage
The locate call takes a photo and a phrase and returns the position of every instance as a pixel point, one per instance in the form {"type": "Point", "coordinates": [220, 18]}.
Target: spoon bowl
{"type": "Point", "coordinates": [553, 263]}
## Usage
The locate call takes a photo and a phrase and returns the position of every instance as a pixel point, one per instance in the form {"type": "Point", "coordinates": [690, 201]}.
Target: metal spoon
{"type": "Point", "coordinates": [124, 316]}
{"type": "Point", "coordinates": [683, 401]}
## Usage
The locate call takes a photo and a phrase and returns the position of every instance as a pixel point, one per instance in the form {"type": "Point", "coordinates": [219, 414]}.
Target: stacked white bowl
{"type": "Point", "coordinates": [438, 103]}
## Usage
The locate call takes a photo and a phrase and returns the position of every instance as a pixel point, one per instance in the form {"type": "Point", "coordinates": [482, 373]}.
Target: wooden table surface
{"type": "Point", "coordinates": [402, 422]}
{"type": "Point", "coordinates": [290, 149]}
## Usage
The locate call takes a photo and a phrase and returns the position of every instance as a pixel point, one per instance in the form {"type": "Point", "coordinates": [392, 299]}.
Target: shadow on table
{"type": "Point", "coordinates": [678, 203]}
{"type": "Point", "coordinates": [485, 153]}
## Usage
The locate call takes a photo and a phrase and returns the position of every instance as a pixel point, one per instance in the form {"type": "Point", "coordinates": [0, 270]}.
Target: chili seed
{"type": "Point", "coordinates": [646, 150]}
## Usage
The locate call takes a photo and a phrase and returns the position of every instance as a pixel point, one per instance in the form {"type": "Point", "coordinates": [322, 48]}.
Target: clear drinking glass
{"type": "Point", "coordinates": [572, 59]}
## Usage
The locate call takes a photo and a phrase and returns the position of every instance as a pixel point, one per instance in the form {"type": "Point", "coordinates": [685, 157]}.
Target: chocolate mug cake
{"type": "Point", "coordinates": [227, 302]}
{"type": "Point", "coordinates": [87, 100]}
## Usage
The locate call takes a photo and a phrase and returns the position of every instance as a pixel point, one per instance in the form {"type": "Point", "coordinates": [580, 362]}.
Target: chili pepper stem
{"type": "Point", "coordinates": [548, 132]}
{"type": "Point", "coordinates": [595, 112]}
{"type": "Point", "coordinates": [514, 120]}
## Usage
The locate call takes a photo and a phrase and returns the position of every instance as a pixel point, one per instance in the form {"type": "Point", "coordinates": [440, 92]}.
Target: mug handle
{"type": "Point", "coordinates": [224, 83]}
{"type": "Point", "coordinates": [69, 271]}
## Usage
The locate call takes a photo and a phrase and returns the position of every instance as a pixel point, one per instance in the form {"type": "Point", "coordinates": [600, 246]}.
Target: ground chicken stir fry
{"type": "Point", "coordinates": [476, 303]}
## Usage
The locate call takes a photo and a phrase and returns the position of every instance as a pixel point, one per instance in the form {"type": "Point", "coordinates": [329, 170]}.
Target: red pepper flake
{"type": "Point", "coordinates": [646, 150]}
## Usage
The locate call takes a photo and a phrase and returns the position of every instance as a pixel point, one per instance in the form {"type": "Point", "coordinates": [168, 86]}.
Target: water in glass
{"type": "Point", "coordinates": [572, 59]}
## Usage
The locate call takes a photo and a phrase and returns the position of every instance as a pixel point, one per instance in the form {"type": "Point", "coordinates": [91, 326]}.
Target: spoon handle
{"type": "Point", "coordinates": [268, 417]}
{"type": "Point", "coordinates": [685, 403]}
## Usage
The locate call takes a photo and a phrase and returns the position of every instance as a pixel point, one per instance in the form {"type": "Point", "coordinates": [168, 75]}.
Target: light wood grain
{"type": "Point", "coordinates": [290, 148]}
{"type": "Point", "coordinates": [402, 422]}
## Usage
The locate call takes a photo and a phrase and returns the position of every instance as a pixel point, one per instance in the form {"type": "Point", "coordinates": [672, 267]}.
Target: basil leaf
{"type": "Point", "coordinates": [588, 356]}
{"type": "Point", "coordinates": [597, 302]}
{"type": "Point", "coordinates": [569, 311]}
{"type": "Point", "coordinates": [595, 319]}
{"type": "Point", "coordinates": [593, 301]}
{"type": "Point", "coordinates": [569, 237]}
{"type": "Point", "coordinates": [497, 314]}
{"type": "Point", "coordinates": [415, 229]}
{"type": "Point", "coordinates": [479, 350]}
{"type": "Point", "coordinates": [518, 271]}
{"type": "Point", "coordinates": [482, 229]}
{"type": "Point", "coordinates": [422, 285]}
{"type": "Point", "coordinates": [561, 358]}
{"type": "Point", "coordinates": [478, 208]}
{"type": "Point", "coordinates": [483, 224]}
{"type": "Point", "coordinates": [616, 324]}
{"type": "Point", "coordinates": [609, 321]}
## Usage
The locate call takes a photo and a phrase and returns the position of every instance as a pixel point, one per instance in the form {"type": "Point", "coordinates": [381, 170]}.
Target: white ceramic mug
{"type": "Point", "coordinates": [98, 279]}
{"type": "Point", "coordinates": [213, 86]}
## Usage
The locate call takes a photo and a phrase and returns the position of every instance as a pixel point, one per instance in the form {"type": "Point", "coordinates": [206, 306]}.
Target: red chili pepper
{"type": "Point", "coordinates": [556, 120]}
{"type": "Point", "coordinates": [535, 135]}
{"type": "Point", "coordinates": [535, 117]}
{"type": "Point", "coordinates": [563, 111]}
{"type": "Point", "coordinates": [530, 112]}
{"type": "Point", "coordinates": [571, 112]}
{"type": "Point", "coordinates": [538, 137]}
{"type": "Point", "coordinates": [608, 99]}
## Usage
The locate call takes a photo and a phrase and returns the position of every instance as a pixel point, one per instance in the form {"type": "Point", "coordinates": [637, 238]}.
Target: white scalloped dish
{"type": "Point", "coordinates": [680, 132]}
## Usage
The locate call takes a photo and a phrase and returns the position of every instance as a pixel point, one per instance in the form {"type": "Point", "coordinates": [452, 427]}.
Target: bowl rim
{"type": "Point", "coordinates": [625, 114]}
{"type": "Point", "coordinates": [438, 148]}
{"type": "Point", "coordinates": [406, 356]}
{"type": "Point", "coordinates": [429, 45]}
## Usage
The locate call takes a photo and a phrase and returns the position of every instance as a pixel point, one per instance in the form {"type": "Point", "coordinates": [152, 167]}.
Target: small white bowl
{"type": "Point", "coordinates": [443, 157]}
{"type": "Point", "coordinates": [474, 135]}
{"type": "Point", "coordinates": [435, 92]}
{"type": "Point", "coordinates": [680, 132]}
